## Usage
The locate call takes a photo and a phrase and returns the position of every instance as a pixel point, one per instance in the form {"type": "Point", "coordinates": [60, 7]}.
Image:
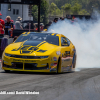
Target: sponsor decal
{"type": "Point", "coordinates": [68, 68]}
{"type": "Point", "coordinates": [52, 64]}
{"type": "Point", "coordinates": [54, 58]}
{"type": "Point", "coordinates": [15, 60]}
{"type": "Point", "coordinates": [43, 64]}
{"type": "Point", "coordinates": [66, 58]}
{"type": "Point", "coordinates": [67, 52]}
{"type": "Point", "coordinates": [53, 68]}
{"type": "Point", "coordinates": [58, 52]}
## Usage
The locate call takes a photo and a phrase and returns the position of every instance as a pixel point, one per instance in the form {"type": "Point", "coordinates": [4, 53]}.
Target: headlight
{"type": "Point", "coordinates": [9, 55]}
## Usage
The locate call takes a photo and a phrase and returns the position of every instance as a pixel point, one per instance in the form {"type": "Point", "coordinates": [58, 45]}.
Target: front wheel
{"type": "Point", "coordinates": [58, 66]}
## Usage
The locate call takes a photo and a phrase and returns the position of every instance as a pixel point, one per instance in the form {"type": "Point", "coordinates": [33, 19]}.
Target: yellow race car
{"type": "Point", "coordinates": [40, 52]}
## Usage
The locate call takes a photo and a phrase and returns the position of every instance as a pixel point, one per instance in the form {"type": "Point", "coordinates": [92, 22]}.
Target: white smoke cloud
{"type": "Point", "coordinates": [85, 35]}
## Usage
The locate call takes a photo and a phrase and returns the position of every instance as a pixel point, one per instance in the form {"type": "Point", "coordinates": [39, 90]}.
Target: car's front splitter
{"type": "Point", "coordinates": [10, 69]}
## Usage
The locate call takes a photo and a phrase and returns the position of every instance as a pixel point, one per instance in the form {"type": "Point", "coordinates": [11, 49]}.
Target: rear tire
{"type": "Point", "coordinates": [73, 63]}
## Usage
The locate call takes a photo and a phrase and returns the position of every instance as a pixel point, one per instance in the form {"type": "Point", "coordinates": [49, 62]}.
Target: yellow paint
{"type": "Point", "coordinates": [50, 52]}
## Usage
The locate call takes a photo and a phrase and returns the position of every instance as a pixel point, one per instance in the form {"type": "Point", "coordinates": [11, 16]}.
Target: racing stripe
{"type": "Point", "coordinates": [53, 34]}
{"type": "Point", "coordinates": [28, 33]}
{"type": "Point", "coordinates": [41, 44]}
{"type": "Point", "coordinates": [24, 33]}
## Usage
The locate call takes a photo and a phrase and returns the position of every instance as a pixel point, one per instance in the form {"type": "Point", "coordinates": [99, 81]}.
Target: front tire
{"type": "Point", "coordinates": [58, 66]}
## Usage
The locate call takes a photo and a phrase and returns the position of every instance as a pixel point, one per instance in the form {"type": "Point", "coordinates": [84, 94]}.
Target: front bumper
{"type": "Point", "coordinates": [28, 65]}
{"type": "Point", "coordinates": [11, 69]}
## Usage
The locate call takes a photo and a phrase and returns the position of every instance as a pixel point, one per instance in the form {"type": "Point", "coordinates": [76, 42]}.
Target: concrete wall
{"type": "Point", "coordinates": [5, 12]}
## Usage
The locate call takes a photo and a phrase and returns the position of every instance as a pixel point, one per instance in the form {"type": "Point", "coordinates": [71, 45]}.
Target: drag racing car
{"type": "Point", "coordinates": [40, 52]}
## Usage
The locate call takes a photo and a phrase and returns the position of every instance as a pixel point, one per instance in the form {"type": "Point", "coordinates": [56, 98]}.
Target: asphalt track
{"type": "Point", "coordinates": [81, 85]}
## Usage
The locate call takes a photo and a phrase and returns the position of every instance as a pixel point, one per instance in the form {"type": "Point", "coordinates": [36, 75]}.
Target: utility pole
{"type": "Point", "coordinates": [22, 12]}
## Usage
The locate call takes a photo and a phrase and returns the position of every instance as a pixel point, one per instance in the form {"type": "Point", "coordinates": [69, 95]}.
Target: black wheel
{"type": "Point", "coordinates": [7, 71]}
{"type": "Point", "coordinates": [73, 63]}
{"type": "Point", "coordinates": [58, 66]}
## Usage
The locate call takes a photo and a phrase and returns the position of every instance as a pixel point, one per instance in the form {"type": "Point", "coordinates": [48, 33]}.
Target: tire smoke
{"type": "Point", "coordinates": [85, 35]}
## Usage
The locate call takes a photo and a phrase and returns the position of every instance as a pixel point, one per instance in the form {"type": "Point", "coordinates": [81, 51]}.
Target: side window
{"type": "Point", "coordinates": [17, 11]}
{"type": "Point", "coordinates": [64, 41]}
{"type": "Point", "coordinates": [68, 41]}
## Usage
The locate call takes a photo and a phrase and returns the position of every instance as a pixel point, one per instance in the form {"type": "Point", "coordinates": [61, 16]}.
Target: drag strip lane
{"type": "Point", "coordinates": [82, 85]}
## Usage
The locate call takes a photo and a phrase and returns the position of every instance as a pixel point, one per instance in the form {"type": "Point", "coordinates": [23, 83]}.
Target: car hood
{"type": "Point", "coordinates": [31, 48]}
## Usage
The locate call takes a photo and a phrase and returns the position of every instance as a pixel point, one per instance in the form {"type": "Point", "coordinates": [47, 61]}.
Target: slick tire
{"type": "Point", "coordinates": [73, 64]}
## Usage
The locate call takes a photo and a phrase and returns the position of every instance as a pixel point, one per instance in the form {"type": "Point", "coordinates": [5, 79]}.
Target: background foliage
{"type": "Point", "coordinates": [63, 7]}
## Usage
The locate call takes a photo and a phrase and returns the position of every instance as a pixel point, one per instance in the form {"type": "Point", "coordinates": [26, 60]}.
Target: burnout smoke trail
{"type": "Point", "coordinates": [85, 35]}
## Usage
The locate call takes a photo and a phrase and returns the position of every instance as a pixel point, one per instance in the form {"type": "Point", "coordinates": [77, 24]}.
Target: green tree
{"type": "Point", "coordinates": [83, 12]}
{"type": "Point", "coordinates": [76, 8]}
{"type": "Point", "coordinates": [54, 10]}
{"type": "Point", "coordinates": [35, 13]}
{"type": "Point", "coordinates": [85, 4]}
{"type": "Point", "coordinates": [66, 9]}
{"type": "Point", "coordinates": [43, 13]}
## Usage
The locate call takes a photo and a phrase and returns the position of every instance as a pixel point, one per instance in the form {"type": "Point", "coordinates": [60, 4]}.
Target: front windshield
{"type": "Point", "coordinates": [39, 37]}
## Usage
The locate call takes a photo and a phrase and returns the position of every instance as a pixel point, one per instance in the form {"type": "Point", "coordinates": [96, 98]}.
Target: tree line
{"type": "Point", "coordinates": [87, 5]}
{"type": "Point", "coordinates": [63, 7]}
